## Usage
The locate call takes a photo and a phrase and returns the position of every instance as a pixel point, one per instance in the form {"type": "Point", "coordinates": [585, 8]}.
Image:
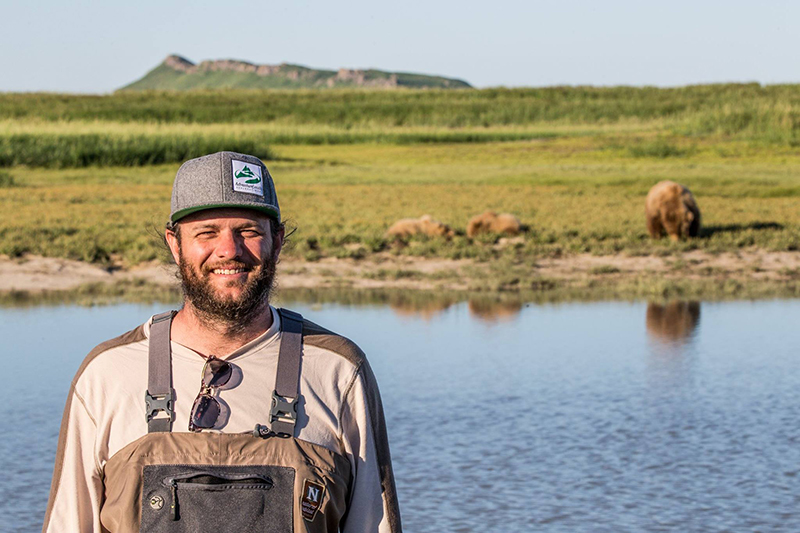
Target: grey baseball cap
{"type": "Point", "coordinates": [224, 179]}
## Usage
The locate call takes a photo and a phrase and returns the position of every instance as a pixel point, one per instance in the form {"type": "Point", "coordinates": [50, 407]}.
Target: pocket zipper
{"type": "Point", "coordinates": [231, 481]}
{"type": "Point", "coordinates": [173, 505]}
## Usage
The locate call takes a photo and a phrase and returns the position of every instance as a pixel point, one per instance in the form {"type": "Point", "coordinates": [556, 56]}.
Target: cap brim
{"type": "Point", "coordinates": [272, 212]}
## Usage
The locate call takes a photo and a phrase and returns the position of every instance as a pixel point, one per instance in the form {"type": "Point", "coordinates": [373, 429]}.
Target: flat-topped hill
{"type": "Point", "coordinates": [178, 73]}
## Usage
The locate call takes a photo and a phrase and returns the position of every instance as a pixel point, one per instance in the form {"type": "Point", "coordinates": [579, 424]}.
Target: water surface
{"type": "Point", "coordinates": [574, 417]}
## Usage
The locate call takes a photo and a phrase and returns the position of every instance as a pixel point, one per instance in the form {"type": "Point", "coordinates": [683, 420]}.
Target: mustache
{"type": "Point", "coordinates": [234, 312]}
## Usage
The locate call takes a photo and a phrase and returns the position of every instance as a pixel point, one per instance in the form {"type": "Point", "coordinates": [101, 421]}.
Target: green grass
{"type": "Point", "coordinates": [89, 177]}
{"type": "Point", "coordinates": [576, 195]}
{"type": "Point", "coordinates": [767, 113]}
{"type": "Point", "coordinates": [64, 149]}
{"type": "Point", "coordinates": [82, 150]}
{"type": "Point", "coordinates": [144, 128]}
{"type": "Point", "coordinates": [6, 180]}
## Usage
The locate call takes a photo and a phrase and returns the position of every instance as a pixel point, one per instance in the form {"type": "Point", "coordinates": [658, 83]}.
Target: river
{"type": "Point", "coordinates": [579, 417]}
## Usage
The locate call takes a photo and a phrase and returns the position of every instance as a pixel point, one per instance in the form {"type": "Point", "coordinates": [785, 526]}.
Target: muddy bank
{"type": "Point", "coordinates": [748, 272]}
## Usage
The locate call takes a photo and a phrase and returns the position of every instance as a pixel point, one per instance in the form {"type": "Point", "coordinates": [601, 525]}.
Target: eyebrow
{"type": "Point", "coordinates": [212, 226]}
{"type": "Point", "coordinates": [205, 226]}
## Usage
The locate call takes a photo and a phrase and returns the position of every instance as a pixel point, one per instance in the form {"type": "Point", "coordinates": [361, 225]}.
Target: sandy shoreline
{"type": "Point", "coordinates": [35, 274]}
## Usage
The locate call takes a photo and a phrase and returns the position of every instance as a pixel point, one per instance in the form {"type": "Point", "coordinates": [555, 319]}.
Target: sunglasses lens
{"type": "Point", "coordinates": [205, 412]}
{"type": "Point", "coordinates": [217, 372]}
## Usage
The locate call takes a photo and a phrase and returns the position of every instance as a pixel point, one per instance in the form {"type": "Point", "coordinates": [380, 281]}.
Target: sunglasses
{"type": "Point", "coordinates": [206, 408]}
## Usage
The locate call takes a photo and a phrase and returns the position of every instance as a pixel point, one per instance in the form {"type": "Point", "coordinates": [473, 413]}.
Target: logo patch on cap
{"type": "Point", "coordinates": [311, 500]}
{"type": "Point", "coordinates": [247, 178]}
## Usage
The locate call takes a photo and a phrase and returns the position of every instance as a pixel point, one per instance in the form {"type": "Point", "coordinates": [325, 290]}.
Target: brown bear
{"type": "Point", "coordinates": [670, 208]}
{"type": "Point", "coordinates": [425, 225]}
{"type": "Point", "coordinates": [491, 222]}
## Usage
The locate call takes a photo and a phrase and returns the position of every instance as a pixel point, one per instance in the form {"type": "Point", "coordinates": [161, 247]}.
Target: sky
{"type": "Point", "coordinates": [96, 47]}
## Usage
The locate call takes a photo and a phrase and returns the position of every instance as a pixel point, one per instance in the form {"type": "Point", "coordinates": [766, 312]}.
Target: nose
{"type": "Point", "coordinates": [229, 245]}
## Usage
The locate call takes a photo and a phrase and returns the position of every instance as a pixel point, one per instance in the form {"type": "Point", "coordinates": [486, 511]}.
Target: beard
{"type": "Point", "coordinates": [233, 313]}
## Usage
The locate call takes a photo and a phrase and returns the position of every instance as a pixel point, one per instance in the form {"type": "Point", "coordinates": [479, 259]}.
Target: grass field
{"type": "Point", "coordinates": [576, 194]}
{"type": "Point", "coordinates": [89, 177]}
{"type": "Point", "coordinates": [749, 110]}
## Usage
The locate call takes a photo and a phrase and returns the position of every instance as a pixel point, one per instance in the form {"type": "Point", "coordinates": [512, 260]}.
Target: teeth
{"type": "Point", "coordinates": [228, 271]}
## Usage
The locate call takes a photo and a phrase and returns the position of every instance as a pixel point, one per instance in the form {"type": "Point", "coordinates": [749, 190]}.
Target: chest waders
{"type": "Point", "coordinates": [264, 481]}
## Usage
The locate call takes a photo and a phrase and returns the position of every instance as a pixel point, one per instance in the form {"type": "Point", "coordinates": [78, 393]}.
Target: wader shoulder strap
{"type": "Point", "coordinates": [159, 395]}
{"type": "Point", "coordinates": [283, 414]}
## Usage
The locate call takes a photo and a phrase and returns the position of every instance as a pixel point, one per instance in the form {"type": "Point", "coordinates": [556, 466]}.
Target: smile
{"type": "Point", "coordinates": [228, 272]}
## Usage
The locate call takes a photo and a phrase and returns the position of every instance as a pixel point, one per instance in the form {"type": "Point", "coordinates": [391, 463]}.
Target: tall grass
{"type": "Point", "coordinates": [144, 128]}
{"type": "Point", "coordinates": [765, 112]}
{"type": "Point", "coordinates": [54, 150]}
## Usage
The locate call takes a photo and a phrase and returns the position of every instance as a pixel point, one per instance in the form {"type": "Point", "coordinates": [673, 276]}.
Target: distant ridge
{"type": "Point", "coordinates": [178, 73]}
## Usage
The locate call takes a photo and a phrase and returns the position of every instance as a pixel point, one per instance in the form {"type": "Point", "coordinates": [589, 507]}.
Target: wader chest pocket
{"type": "Point", "coordinates": [197, 498]}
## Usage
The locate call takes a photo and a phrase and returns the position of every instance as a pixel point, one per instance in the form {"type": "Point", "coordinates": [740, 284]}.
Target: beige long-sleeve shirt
{"type": "Point", "coordinates": [342, 412]}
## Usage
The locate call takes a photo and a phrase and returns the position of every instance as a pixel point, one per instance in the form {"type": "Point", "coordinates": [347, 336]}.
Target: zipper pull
{"type": "Point", "coordinates": [173, 508]}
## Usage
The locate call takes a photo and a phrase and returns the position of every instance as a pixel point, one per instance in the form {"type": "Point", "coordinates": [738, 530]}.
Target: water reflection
{"type": "Point", "coordinates": [484, 309]}
{"type": "Point", "coordinates": [494, 310]}
{"type": "Point", "coordinates": [423, 309]}
{"type": "Point", "coordinates": [671, 328]}
{"type": "Point", "coordinates": [672, 323]}
{"type": "Point", "coordinates": [425, 305]}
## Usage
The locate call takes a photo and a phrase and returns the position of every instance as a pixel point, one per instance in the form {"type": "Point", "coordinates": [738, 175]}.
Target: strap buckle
{"type": "Point", "coordinates": [159, 402]}
{"type": "Point", "coordinates": [284, 410]}
{"type": "Point", "coordinates": [166, 315]}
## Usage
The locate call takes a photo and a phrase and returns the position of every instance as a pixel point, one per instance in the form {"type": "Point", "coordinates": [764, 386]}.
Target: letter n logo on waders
{"type": "Point", "coordinates": [311, 500]}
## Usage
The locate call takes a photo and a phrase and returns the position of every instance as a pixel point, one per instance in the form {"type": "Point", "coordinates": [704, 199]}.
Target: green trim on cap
{"type": "Point", "coordinates": [189, 210]}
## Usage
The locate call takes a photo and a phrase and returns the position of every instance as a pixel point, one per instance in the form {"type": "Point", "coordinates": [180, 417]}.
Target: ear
{"type": "Point", "coordinates": [172, 242]}
{"type": "Point", "coordinates": [277, 246]}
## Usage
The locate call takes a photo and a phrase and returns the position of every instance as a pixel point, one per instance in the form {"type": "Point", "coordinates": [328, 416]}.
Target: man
{"type": "Point", "coordinates": [286, 432]}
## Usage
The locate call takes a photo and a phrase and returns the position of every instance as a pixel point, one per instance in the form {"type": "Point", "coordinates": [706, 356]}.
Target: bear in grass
{"type": "Point", "coordinates": [425, 225]}
{"type": "Point", "coordinates": [670, 208]}
{"type": "Point", "coordinates": [491, 222]}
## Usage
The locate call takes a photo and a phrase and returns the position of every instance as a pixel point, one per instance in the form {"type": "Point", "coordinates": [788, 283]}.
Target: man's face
{"type": "Point", "coordinates": [227, 260]}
